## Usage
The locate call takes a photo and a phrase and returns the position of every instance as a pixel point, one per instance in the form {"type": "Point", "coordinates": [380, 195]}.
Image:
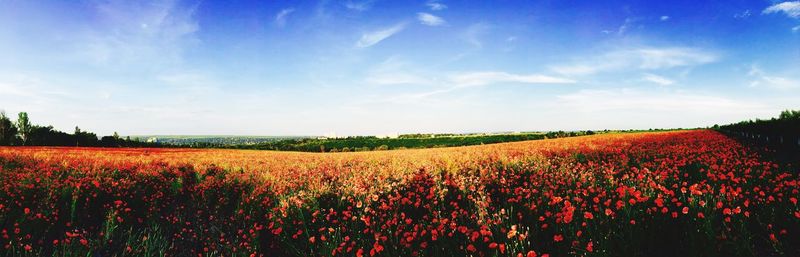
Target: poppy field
{"type": "Point", "coordinates": [680, 193]}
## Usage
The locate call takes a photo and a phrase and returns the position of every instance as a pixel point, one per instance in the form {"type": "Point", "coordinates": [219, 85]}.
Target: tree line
{"type": "Point", "coordinates": [784, 129]}
{"type": "Point", "coordinates": [411, 141]}
{"type": "Point", "coordinates": [23, 133]}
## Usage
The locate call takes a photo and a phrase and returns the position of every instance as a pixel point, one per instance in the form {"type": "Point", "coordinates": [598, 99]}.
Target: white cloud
{"type": "Point", "coordinates": [372, 38]}
{"type": "Point", "coordinates": [187, 79]}
{"type": "Point", "coordinates": [359, 6]}
{"type": "Point", "coordinates": [639, 58]}
{"type": "Point", "coordinates": [394, 71]}
{"type": "Point", "coordinates": [436, 6]}
{"type": "Point", "coordinates": [493, 77]}
{"type": "Point", "coordinates": [627, 108]}
{"type": "Point", "coordinates": [280, 18]}
{"type": "Point", "coordinates": [762, 79]}
{"type": "Point", "coordinates": [796, 28]}
{"type": "Point", "coordinates": [780, 83]}
{"type": "Point", "coordinates": [430, 19]}
{"type": "Point", "coordinates": [755, 70]}
{"type": "Point", "coordinates": [155, 32]}
{"type": "Point", "coordinates": [397, 78]}
{"type": "Point", "coordinates": [658, 79]}
{"type": "Point", "coordinates": [625, 26]}
{"type": "Point", "coordinates": [29, 92]}
{"type": "Point", "coordinates": [791, 9]}
{"type": "Point", "coordinates": [474, 32]}
{"type": "Point", "coordinates": [742, 15]}
{"type": "Point", "coordinates": [638, 100]}
{"type": "Point", "coordinates": [461, 81]}
{"type": "Point", "coordinates": [664, 18]}
{"type": "Point", "coordinates": [12, 89]}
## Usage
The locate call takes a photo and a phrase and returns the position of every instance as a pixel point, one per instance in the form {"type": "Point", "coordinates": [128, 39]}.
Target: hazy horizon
{"type": "Point", "coordinates": [378, 67]}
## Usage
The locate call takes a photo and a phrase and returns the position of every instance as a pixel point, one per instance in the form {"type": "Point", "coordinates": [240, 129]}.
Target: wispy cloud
{"type": "Point", "coordinates": [13, 89]}
{"type": "Point", "coordinates": [483, 78]}
{"type": "Point", "coordinates": [151, 31]}
{"type": "Point", "coordinates": [474, 32]}
{"type": "Point", "coordinates": [632, 99]}
{"type": "Point", "coordinates": [742, 15]}
{"type": "Point", "coordinates": [372, 38]}
{"type": "Point", "coordinates": [280, 18]}
{"type": "Point", "coordinates": [436, 6]}
{"type": "Point", "coordinates": [26, 90]}
{"type": "Point", "coordinates": [394, 71]}
{"type": "Point", "coordinates": [657, 79]}
{"type": "Point", "coordinates": [781, 83]}
{"type": "Point", "coordinates": [397, 78]}
{"type": "Point", "coordinates": [359, 5]}
{"type": "Point", "coordinates": [463, 81]}
{"type": "Point", "coordinates": [664, 18]}
{"type": "Point", "coordinates": [762, 79]}
{"type": "Point", "coordinates": [791, 9]}
{"type": "Point", "coordinates": [638, 58]}
{"type": "Point", "coordinates": [625, 26]}
{"type": "Point", "coordinates": [194, 82]}
{"type": "Point", "coordinates": [625, 108]}
{"type": "Point", "coordinates": [430, 19]}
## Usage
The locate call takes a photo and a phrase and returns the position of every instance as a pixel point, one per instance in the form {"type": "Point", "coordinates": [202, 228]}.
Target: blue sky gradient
{"type": "Point", "coordinates": [377, 67]}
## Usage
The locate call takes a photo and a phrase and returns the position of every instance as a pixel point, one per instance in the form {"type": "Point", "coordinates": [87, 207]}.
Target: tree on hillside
{"type": "Point", "coordinates": [24, 127]}
{"type": "Point", "coordinates": [8, 131]}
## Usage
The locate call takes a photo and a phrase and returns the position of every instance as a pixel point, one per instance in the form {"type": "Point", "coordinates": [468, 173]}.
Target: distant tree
{"type": "Point", "coordinates": [77, 136]}
{"type": "Point", "coordinates": [47, 135]}
{"type": "Point", "coordinates": [790, 114]}
{"type": "Point", "coordinates": [108, 141]}
{"type": "Point", "coordinates": [83, 138]}
{"type": "Point", "coordinates": [24, 127]}
{"type": "Point", "coordinates": [8, 131]}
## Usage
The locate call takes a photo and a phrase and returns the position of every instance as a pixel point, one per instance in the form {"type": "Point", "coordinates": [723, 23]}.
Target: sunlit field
{"type": "Point", "coordinates": [683, 193]}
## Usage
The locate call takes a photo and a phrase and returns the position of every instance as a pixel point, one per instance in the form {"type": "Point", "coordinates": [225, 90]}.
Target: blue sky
{"type": "Point", "coordinates": [377, 67]}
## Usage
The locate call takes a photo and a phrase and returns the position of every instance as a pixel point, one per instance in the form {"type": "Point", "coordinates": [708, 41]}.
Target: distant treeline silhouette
{"type": "Point", "coordinates": [785, 129]}
{"type": "Point", "coordinates": [23, 133]}
{"type": "Point", "coordinates": [414, 141]}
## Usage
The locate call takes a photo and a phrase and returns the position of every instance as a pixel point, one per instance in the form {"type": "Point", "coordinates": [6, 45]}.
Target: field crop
{"type": "Point", "coordinates": [682, 193]}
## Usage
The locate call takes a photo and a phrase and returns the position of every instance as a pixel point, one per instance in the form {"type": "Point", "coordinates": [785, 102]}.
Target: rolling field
{"type": "Point", "coordinates": [681, 193]}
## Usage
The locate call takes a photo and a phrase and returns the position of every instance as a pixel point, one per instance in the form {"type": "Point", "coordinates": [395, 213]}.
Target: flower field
{"type": "Point", "coordinates": [683, 193]}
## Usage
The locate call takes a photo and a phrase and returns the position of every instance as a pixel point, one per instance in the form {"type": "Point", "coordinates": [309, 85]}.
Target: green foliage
{"type": "Point", "coordinates": [413, 141]}
{"type": "Point", "coordinates": [790, 114]}
{"type": "Point", "coordinates": [24, 127]}
{"type": "Point", "coordinates": [8, 131]}
{"type": "Point", "coordinates": [785, 128]}
{"type": "Point", "coordinates": [23, 132]}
